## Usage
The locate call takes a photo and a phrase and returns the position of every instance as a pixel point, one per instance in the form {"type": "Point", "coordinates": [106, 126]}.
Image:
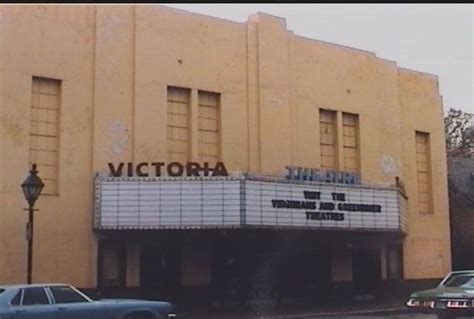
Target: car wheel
{"type": "Point", "coordinates": [140, 315]}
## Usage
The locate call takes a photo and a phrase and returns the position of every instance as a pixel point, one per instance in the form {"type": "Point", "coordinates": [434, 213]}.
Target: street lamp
{"type": "Point", "coordinates": [32, 187]}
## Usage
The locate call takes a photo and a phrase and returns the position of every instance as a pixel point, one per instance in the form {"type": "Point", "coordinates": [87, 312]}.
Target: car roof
{"type": "Point", "coordinates": [455, 272]}
{"type": "Point", "coordinates": [21, 286]}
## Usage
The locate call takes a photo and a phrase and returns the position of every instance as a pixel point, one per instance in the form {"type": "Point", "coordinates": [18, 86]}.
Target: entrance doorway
{"type": "Point", "coordinates": [366, 270]}
{"type": "Point", "coordinates": [160, 271]}
{"type": "Point", "coordinates": [306, 273]}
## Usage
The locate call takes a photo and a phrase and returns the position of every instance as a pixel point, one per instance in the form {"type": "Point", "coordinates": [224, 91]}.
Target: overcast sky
{"type": "Point", "coordinates": [431, 38]}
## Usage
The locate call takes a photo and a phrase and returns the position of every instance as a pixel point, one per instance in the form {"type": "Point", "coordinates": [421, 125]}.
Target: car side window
{"type": "Point", "coordinates": [66, 295]}
{"type": "Point", "coordinates": [35, 296]}
{"type": "Point", "coordinates": [17, 299]}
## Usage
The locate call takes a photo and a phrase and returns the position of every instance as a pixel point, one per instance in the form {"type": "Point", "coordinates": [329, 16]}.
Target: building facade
{"type": "Point", "coordinates": [187, 154]}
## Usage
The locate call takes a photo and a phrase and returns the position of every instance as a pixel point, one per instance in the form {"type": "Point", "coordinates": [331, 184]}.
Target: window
{"type": "Point", "coordinates": [44, 132]}
{"type": "Point", "coordinates": [17, 299]}
{"type": "Point", "coordinates": [327, 124]}
{"type": "Point", "coordinates": [35, 296]}
{"type": "Point", "coordinates": [350, 127]}
{"type": "Point", "coordinates": [208, 135]}
{"type": "Point", "coordinates": [394, 262]}
{"type": "Point", "coordinates": [423, 172]}
{"type": "Point", "coordinates": [178, 124]}
{"type": "Point", "coordinates": [464, 281]}
{"type": "Point", "coordinates": [65, 294]}
{"type": "Point", "coordinates": [112, 263]}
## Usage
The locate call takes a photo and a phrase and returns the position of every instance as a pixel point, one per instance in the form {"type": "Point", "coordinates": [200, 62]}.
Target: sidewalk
{"type": "Point", "coordinates": [306, 311]}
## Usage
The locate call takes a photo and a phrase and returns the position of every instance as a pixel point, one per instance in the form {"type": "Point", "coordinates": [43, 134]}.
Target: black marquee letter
{"type": "Point", "coordinates": [170, 171]}
{"type": "Point", "coordinates": [192, 169]}
{"type": "Point", "coordinates": [116, 172]}
{"type": "Point", "coordinates": [129, 169]}
{"type": "Point", "coordinates": [220, 170]}
{"type": "Point", "coordinates": [158, 166]}
{"type": "Point", "coordinates": [139, 170]}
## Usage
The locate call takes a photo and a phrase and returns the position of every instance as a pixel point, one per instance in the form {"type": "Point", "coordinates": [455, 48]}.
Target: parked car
{"type": "Point", "coordinates": [453, 297]}
{"type": "Point", "coordinates": [62, 301]}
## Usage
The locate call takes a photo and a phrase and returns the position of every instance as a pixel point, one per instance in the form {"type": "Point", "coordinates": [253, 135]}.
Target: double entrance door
{"type": "Point", "coordinates": [160, 271]}
{"type": "Point", "coordinates": [366, 270]}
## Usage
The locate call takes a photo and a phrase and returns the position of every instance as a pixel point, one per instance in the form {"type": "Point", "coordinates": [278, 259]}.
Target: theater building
{"type": "Point", "coordinates": [185, 155]}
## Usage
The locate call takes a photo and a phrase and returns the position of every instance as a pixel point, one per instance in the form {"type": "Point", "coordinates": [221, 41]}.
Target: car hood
{"type": "Point", "coordinates": [444, 292]}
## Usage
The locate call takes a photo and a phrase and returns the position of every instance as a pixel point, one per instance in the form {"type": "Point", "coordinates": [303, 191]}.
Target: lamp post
{"type": "Point", "coordinates": [32, 187]}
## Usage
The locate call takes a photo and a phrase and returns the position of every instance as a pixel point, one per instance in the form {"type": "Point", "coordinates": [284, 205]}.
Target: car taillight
{"type": "Point", "coordinates": [412, 302]}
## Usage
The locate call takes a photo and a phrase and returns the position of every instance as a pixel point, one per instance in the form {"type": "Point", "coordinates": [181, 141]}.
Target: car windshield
{"type": "Point", "coordinates": [463, 281]}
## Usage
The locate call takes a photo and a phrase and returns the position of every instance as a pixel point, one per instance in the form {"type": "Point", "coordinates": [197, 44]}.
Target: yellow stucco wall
{"type": "Point", "coordinates": [115, 63]}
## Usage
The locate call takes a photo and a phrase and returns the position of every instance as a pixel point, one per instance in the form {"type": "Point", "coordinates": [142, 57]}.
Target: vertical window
{"type": "Point", "coordinates": [64, 294]}
{"type": "Point", "coordinates": [44, 141]}
{"type": "Point", "coordinates": [350, 126]}
{"type": "Point", "coordinates": [17, 299]}
{"type": "Point", "coordinates": [394, 262]}
{"type": "Point", "coordinates": [112, 261]}
{"type": "Point", "coordinates": [423, 172]}
{"type": "Point", "coordinates": [35, 296]}
{"type": "Point", "coordinates": [178, 124]}
{"type": "Point", "coordinates": [327, 124]}
{"type": "Point", "coordinates": [208, 135]}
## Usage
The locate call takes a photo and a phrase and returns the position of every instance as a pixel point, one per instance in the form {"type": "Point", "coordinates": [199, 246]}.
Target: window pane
{"type": "Point", "coordinates": [35, 296]}
{"type": "Point", "coordinates": [350, 145]}
{"type": "Point", "coordinates": [66, 295]}
{"type": "Point", "coordinates": [327, 129]}
{"type": "Point", "coordinates": [178, 124]}
{"type": "Point", "coordinates": [16, 301]}
{"type": "Point", "coordinates": [44, 128]}
{"type": "Point", "coordinates": [208, 127]}
{"type": "Point", "coordinates": [423, 172]}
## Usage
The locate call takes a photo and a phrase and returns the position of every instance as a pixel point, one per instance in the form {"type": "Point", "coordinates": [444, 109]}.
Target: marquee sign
{"type": "Point", "coordinates": [244, 201]}
{"type": "Point", "coordinates": [323, 206]}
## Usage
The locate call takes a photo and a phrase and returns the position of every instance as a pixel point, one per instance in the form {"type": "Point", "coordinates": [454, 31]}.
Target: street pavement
{"type": "Point", "coordinates": [316, 316]}
{"type": "Point", "coordinates": [402, 316]}
{"type": "Point", "coordinates": [399, 316]}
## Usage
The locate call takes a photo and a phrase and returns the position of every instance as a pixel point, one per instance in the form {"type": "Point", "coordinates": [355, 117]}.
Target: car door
{"type": "Point", "coordinates": [72, 305]}
{"type": "Point", "coordinates": [34, 304]}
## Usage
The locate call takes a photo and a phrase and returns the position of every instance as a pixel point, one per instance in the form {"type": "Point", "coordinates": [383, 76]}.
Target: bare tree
{"type": "Point", "coordinates": [459, 129]}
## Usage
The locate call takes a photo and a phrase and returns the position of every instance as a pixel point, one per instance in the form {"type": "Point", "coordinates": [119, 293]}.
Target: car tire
{"type": "Point", "coordinates": [140, 315]}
